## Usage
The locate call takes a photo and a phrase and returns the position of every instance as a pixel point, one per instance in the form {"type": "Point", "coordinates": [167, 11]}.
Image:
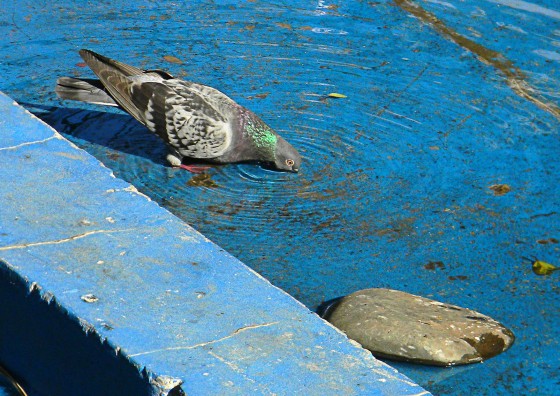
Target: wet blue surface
{"type": "Point", "coordinates": [101, 284]}
{"type": "Point", "coordinates": [395, 176]}
{"type": "Point", "coordinates": [6, 388]}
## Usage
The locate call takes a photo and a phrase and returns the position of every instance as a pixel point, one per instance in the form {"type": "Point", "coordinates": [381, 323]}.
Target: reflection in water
{"type": "Point", "coordinates": [9, 385]}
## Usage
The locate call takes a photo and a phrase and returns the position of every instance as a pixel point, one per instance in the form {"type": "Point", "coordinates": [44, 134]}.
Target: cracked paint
{"type": "Point", "coordinates": [63, 240]}
{"type": "Point", "coordinates": [202, 344]}
{"type": "Point", "coordinates": [17, 146]}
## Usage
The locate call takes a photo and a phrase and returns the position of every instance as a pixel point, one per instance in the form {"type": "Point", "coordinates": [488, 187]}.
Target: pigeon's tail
{"type": "Point", "coordinates": [90, 91]}
{"type": "Point", "coordinates": [116, 77]}
{"type": "Point", "coordinates": [99, 64]}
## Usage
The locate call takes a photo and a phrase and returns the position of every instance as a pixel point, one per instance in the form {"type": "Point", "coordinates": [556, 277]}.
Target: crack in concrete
{"type": "Point", "coordinates": [265, 390]}
{"type": "Point", "coordinates": [515, 77]}
{"type": "Point", "coordinates": [28, 143]}
{"type": "Point", "coordinates": [202, 344]}
{"type": "Point", "coordinates": [234, 367]}
{"type": "Point", "coordinates": [63, 240]}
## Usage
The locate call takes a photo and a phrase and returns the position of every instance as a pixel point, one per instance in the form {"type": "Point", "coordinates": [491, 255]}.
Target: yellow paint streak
{"type": "Point", "coordinates": [516, 79]}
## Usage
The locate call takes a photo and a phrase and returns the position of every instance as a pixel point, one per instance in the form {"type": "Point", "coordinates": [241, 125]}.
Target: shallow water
{"type": "Point", "coordinates": [395, 176]}
{"type": "Point", "coordinates": [7, 387]}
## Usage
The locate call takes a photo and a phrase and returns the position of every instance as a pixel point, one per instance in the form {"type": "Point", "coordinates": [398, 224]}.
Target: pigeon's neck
{"type": "Point", "coordinates": [256, 138]}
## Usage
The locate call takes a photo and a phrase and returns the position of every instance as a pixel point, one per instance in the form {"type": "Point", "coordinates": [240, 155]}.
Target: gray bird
{"type": "Point", "coordinates": [196, 122]}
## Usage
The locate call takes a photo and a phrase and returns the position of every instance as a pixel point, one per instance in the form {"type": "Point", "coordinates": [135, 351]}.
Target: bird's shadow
{"type": "Point", "coordinates": [112, 129]}
{"type": "Point", "coordinates": [108, 129]}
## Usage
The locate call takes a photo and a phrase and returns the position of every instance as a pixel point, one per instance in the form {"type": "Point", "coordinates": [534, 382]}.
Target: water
{"type": "Point", "coordinates": [395, 176]}
{"type": "Point", "coordinates": [7, 390]}
{"type": "Point", "coordinates": [7, 386]}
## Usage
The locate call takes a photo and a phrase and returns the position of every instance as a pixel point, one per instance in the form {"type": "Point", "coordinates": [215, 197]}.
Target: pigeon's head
{"type": "Point", "coordinates": [270, 147]}
{"type": "Point", "coordinates": [286, 157]}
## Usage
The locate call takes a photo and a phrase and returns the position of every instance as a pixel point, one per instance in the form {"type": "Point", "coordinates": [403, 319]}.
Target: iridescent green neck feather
{"type": "Point", "coordinates": [263, 138]}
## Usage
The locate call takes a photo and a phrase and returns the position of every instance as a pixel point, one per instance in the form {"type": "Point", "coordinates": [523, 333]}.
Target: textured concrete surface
{"type": "Point", "coordinates": [105, 292]}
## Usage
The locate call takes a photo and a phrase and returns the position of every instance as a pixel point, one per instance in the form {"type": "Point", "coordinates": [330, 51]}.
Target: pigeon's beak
{"type": "Point", "coordinates": [296, 170]}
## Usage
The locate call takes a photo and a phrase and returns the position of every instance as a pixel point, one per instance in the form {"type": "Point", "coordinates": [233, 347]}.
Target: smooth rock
{"type": "Point", "coordinates": [401, 326]}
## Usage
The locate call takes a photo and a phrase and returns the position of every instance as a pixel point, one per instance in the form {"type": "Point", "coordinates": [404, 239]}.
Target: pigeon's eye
{"type": "Point", "coordinates": [290, 162]}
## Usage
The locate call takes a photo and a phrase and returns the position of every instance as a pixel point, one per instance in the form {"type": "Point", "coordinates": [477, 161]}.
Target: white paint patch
{"type": "Point", "coordinates": [551, 55]}
{"type": "Point", "coordinates": [188, 238]}
{"type": "Point", "coordinates": [442, 3]}
{"type": "Point", "coordinates": [510, 27]}
{"type": "Point", "coordinates": [530, 7]}
{"type": "Point", "coordinates": [478, 12]}
{"type": "Point", "coordinates": [328, 31]}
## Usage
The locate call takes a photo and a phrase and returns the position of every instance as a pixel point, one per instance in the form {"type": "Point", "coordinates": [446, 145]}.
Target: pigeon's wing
{"type": "Point", "coordinates": [114, 76]}
{"type": "Point", "coordinates": [219, 101]}
{"type": "Point", "coordinates": [159, 73]}
{"type": "Point", "coordinates": [196, 125]}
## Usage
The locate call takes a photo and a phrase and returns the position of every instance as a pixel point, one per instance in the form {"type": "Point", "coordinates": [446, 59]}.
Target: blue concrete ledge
{"type": "Point", "coordinates": [104, 292]}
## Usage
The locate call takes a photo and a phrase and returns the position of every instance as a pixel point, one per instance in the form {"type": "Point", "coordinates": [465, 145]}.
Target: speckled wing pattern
{"type": "Point", "coordinates": [191, 118]}
{"type": "Point", "coordinates": [190, 121]}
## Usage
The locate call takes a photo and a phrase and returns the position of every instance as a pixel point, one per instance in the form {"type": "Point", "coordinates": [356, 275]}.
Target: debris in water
{"type": "Point", "coordinates": [432, 265]}
{"type": "Point", "coordinates": [500, 189]}
{"type": "Point", "coordinates": [547, 241]}
{"type": "Point", "coordinates": [202, 180]}
{"type": "Point", "coordinates": [543, 268]}
{"type": "Point", "coordinates": [89, 298]}
{"type": "Point", "coordinates": [173, 59]}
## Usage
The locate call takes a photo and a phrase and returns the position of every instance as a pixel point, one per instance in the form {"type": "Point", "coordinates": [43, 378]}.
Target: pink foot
{"type": "Point", "coordinates": [194, 168]}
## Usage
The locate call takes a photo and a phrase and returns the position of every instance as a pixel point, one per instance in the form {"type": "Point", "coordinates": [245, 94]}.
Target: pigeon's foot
{"type": "Point", "coordinates": [176, 162]}
{"type": "Point", "coordinates": [194, 168]}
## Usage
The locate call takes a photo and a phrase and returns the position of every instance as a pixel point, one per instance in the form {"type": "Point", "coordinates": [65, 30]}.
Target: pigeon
{"type": "Point", "coordinates": [197, 122]}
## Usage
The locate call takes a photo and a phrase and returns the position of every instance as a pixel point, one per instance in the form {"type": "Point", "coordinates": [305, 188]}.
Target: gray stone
{"type": "Point", "coordinates": [402, 326]}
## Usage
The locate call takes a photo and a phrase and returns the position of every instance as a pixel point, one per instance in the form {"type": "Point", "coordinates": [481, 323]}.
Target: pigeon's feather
{"type": "Point", "coordinates": [90, 91]}
{"type": "Point", "coordinates": [188, 122]}
{"type": "Point", "coordinates": [114, 77]}
{"type": "Point", "coordinates": [167, 107]}
{"type": "Point", "coordinates": [195, 120]}
{"type": "Point", "coordinates": [161, 73]}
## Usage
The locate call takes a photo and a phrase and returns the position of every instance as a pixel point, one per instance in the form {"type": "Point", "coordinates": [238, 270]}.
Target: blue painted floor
{"type": "Point", "coordinates": [394, 189]}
